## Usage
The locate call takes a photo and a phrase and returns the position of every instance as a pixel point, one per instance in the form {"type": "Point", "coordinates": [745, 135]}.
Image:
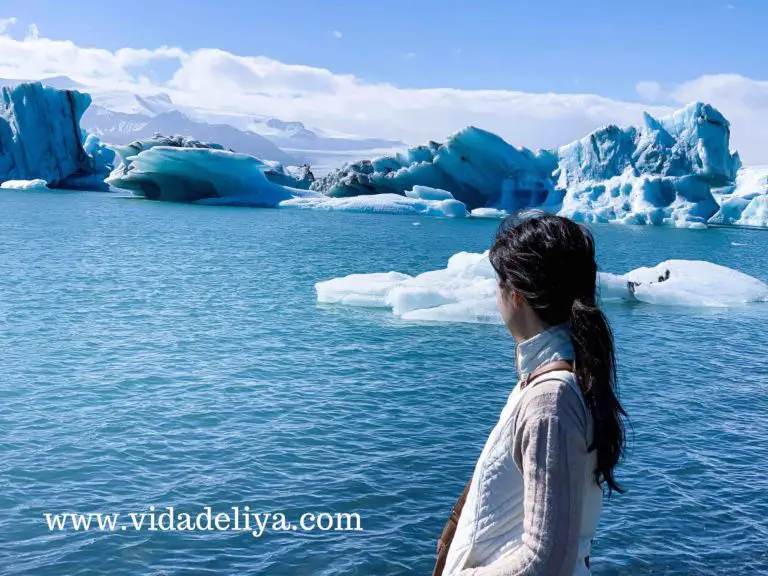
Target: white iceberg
{"type": "Point", "coordinates": [465, 291]}
{"type": "Point", "coordinates": [380, 204]}
{"type": "Point", "coordinates": [695, 283]}
{"type": "Point", "coordinates": [37, 184]}
{"type": "Point", "coordinates": [494, 213]}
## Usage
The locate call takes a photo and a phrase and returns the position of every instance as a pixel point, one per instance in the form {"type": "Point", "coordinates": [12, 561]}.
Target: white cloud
{"type": "Point", "coordinates": [6, 23]}
{"type": "Point", "coordinates": [409, 55]}
{"type": "Point", "coordinates": [337, 34]}
{"type": "Point", "coordinates": [219, 81]}
{"type": "Point", "coordinates": [743, 101]}
{"type": "Point", "coordinates": [650, 90]}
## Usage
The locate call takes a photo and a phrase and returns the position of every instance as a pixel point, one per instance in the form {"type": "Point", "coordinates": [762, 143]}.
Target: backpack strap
{"type": "Point", "coordinates": [444, 543]}
{"type": "Point", "coordinates": [556, 366]}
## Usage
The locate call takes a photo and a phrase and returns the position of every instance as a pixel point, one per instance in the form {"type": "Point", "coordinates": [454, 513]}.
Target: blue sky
{"type": "Point", "coordinates": [593, 46]}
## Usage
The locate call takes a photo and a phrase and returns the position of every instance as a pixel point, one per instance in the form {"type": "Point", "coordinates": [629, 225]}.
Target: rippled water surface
{"type": "Point", "coordinates": [157, 354]}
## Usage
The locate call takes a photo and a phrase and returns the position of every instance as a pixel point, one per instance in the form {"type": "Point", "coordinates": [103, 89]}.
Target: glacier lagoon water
{"type": "Point", "coordinates": [163, 354]}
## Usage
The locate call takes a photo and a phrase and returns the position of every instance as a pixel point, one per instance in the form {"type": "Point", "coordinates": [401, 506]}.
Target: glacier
{"type": "Point", "coordinates": [157, 116]}
{"type": "Point", "coordinates": [465, 290]}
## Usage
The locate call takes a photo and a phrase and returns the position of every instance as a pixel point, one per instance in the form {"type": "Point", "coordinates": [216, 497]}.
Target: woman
{"type": "Point", "coordinates": [536, 492]}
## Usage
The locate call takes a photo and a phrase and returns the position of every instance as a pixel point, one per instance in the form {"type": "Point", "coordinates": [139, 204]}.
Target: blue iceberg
{"type": "Point", "coordinates": [294, 176]}
{"type": "Point", "coordinates": [477, 167]}
{"type": "Point", "coordinates": [745, 203]}
{"type": "Point", "coordinates": [220, 177]}
{"type": "Point", "coordinates": [40, 134]}
{"type": "Point", "coordinates": [192, 174]}
{"type": "Point", "coordinates": [660, 173]}
{"type": "Point", "coordinates": [40, 138]}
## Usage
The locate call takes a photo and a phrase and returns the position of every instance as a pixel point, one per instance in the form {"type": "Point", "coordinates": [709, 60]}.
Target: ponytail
{"type": "Point", "coordinates": [595, 366]}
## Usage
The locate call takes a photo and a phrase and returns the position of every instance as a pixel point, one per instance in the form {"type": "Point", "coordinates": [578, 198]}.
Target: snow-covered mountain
{"type": "Point", "coordinates": [296, 136]}
{"type": "Point", "coordinates": [124, 128]}
{"type": "Point", "coordinates": [121, 116]}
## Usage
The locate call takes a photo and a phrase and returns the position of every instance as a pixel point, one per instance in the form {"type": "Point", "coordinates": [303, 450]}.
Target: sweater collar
{"type": "Point", "coordinates": [552, 344]}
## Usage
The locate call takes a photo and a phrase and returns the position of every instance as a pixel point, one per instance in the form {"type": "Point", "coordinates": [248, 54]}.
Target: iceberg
{"type": "Point", "coordinates": [213, 176]}
{"type": "Point", "coordinates": [477, 167]}
{"type": "Point", "coordinates": [465, 290]}
{"type": "Point", "coordinates": [661, 173]}
{"type": "Point", "coordinates": [197, 174]}
{"type": "Point", "coordinates": [656, 200]}
{"type": "Point", "coordinates": [37, 184]}
{"type": "Point", "coordinates": [494, 213]}
{"type": "Point", "coordinates": [693, 141]}
{"type": "Point", "coordinates": [745, 203]}
{"type": "Point", "coordinates": [293, 176]}
{"type": "Point", "coordinates": [40, 135]}
{"type": "Point", "coordinates": [669, 171]}
{"type": "Point", "coordinates": [381, 204]}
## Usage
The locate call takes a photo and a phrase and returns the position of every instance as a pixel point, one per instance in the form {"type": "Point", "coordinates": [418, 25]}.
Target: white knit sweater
{"type": "Point", "coordinates": [533, 506]}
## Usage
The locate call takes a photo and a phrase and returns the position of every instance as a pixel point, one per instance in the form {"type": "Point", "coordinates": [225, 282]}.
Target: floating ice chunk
{"type": "Point", "coordinates": [462, 292]}
{"type": "Point", "coordinates": [381, 203]}
{"type": "Point", "coordinates": [489, 213]}
{"type": "Point", "coordinates": [36, 184]}
{"type": "Point", "coordinates": [369, 290]}
{"type": "Point", "coordinates": [465, 290]}
{"type": "Point", "coordinates": [696, 283]}
{"type": "Point", "coordinates": [427, 193]}
{"type": "Point", "coordinates": [613, 287]}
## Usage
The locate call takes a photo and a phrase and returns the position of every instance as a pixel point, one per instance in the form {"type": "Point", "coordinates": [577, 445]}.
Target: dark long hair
{"type": "Point", "coordinates": [550, 261]}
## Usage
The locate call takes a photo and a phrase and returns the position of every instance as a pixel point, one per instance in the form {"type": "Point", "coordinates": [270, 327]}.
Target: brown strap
{"type": "Point", "coordinates": [557, 365]}
{"type": "Point", "coordinates": [444, 543]}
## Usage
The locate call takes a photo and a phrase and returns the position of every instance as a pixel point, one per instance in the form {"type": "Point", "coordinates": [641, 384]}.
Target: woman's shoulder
{"type": "Point", "coordinates": [554, 395]}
